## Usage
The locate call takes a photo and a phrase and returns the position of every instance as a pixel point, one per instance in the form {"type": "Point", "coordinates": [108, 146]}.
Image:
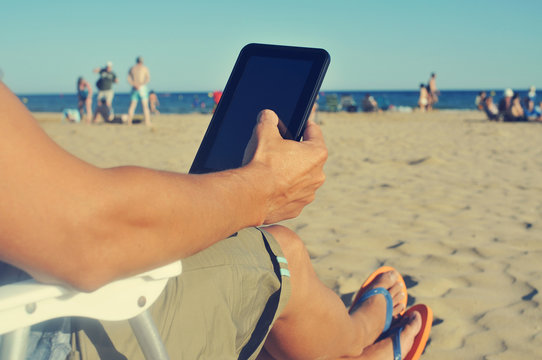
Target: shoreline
{"type": "Point", "coordinates": [52, 116]}
{"type": "Point", "coordinates": [187, 102]}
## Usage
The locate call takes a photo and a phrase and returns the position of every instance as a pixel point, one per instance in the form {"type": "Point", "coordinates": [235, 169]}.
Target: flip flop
{"type": "Point", "coordinates": [421, 339]}
{"type": "Point", "coordinates": [370, 279]}
{"type": "Point", "coordinates": [418, 346]}
{"type": "Point", "coordinates": [373, 292]}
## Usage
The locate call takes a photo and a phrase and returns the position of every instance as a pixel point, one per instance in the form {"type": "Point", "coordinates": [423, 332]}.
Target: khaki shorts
{"type": "Point", "coordinates": [221, 307]}
{"type": "Point", "coordinates": [105, 94]}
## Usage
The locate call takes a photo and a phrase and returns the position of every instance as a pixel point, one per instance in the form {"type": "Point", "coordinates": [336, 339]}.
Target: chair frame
{"type": "Point", "coordinates": [29, 302]}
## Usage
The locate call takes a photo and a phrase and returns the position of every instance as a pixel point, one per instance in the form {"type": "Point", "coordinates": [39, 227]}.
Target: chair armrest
{"type": "Point", "coordinates": [28, 302]}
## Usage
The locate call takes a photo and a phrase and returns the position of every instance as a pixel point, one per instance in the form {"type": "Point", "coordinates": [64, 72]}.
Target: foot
{"type": "Point", "coordinates": [372, 312]}
{"type": "Point", "coordinates": [390, 281]}
{"type": "Point", "coordinates": [383, 350]}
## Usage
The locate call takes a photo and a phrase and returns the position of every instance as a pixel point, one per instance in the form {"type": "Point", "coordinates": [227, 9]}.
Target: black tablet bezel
{"type": "Point", "coordinates": [320, 61]}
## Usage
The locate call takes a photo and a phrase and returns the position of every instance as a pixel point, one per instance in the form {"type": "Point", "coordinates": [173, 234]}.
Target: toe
{"type": "Point", "coordinates": [386, 280]}
{"type": "Point", "coordinates": [411, 329]}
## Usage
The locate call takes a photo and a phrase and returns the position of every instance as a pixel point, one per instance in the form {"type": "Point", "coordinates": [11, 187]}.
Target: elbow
{"type": "Point", "coordinates": [86, 283]}
{"type": "Point", "coordinates": [83, 282]}
{"type": "Point", "coordinates": [87, 268]}
{"type": "Point", "coordinates": [83, 279]}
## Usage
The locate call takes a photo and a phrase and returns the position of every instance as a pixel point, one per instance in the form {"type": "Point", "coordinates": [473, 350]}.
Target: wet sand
{"type": "Point", "coordinates": [452, 201]}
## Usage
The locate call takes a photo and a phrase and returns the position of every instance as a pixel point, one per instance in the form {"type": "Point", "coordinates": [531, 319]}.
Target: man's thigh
{"type": "Point", "coordinates": [224, 301]}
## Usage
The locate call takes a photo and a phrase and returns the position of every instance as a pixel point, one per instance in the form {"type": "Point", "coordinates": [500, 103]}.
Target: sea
{"type": "Point", "coordinates": [202, 102]}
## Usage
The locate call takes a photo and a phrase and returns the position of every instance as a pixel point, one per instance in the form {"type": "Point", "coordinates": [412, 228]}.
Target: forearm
{"type": "Point", "coordinates": [140, 219]}
{"type": "Point", "coordinates": [177, 215]}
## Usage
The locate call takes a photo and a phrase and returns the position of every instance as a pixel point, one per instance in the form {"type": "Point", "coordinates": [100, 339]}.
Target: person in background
{"type": "Point", "coordinates": [71, 115]}
{"type": "Point", "coordinates": [532, 112]}
{"type": "Point", "coordinates": [369, 104]}
{"type": "Point", "coordinates": [153, 102]}
{"type": "Point", "coordinates": [532, 93]}
{"type": "Point", "coordinates": [480, 100]}
{"type": "Point", "coordinates": [490, 109]}
{"type": "Point", "coordinates": [432, 91]}
{"type": "Point", "coordinates": [107, 116]}
{"type": "Point", "coordinates": [105, 83]}
{"type": "Point", "coordinates": [138, 78]}
{"type": "Point", "coordinates": [505, 103]}
{"type": "Point", "coordinates": [423, 98]}
{"type": "Point", "coordinates": [515, 111]}
{"type": "Point", "coordinates": [84, 98]}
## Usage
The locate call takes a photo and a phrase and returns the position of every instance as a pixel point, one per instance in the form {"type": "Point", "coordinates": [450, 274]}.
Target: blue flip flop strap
{"type": "Point", "coordinates": [396, 341]}
{"type": "Point", "coordinates": [389, 303]}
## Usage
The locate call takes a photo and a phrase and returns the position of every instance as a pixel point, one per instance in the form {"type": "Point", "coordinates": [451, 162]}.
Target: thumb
{"type": "Point", "coordinates": [270, 120]}
{"type": "Point", "coordinates": [267, 120]}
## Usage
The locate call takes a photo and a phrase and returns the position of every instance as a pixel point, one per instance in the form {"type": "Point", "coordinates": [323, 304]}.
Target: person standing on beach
{"type": "Point", "coordinates": [105, 83]}
{"type": "Point", "coordinates": [138, 78]}
{"type": "Point", "coordinates": [433, 91]}
{"type": "Point", "coordinates": [423, 99]}
{"type": "Point", "coordinates": [154, 102]}
{"type": "Point", "coordinates": [84, 97]}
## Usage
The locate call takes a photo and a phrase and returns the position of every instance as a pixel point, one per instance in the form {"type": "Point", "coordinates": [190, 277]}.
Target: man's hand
{"type": "Point", "coordinates": [293, 170]}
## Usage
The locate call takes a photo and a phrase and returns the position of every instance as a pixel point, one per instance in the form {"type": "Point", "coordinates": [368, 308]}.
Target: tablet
{"type": "Point", "coordinates": [284, 79]}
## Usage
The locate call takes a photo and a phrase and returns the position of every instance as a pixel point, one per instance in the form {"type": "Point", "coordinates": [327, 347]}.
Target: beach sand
{"type": "Point", "coordinates": [452, 201]}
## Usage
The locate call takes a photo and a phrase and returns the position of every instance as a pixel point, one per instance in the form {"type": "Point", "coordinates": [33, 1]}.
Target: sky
{"type": "Point", "coordinates": [192, 45]}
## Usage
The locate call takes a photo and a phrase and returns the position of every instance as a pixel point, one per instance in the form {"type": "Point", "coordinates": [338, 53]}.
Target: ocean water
{"type": "Point", "coordinates": [202, 102]}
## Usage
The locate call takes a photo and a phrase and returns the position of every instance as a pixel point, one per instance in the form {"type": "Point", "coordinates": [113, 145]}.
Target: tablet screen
{"type": "Point", "coordinates": [260, 80]}
{"type": "Point", "coordinates": [266, 83]}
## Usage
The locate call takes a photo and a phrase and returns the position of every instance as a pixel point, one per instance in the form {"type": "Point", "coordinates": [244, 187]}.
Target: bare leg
{"type": "Point", "coordinates": [109, 101]}
{"type": "Point", "coordinates": [80, 106]}
{"type": "Point", "coordinates": [131, 111]}
{"type": "Point", "coordinates": [89, 109]}
{"type": "Point", "coordinates": [146, 112]}
{"type": "Point", "coordinates": [382, 350]}
{"type": "Point", "coordinates": [315, 322]}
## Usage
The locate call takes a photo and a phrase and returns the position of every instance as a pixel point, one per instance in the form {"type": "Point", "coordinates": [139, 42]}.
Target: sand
{"type": "Point", "coordinates": [452, 201]}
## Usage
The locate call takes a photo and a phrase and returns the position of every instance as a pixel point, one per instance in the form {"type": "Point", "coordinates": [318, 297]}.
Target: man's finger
{"type": "Point", "coordinates": [313, 132]}
{"type": "Point", "coordinates": [265, 121]}
{"type": "Point", "coordinates": [312, 115]}
{"type": "Point", "coordinates": [268, 117]}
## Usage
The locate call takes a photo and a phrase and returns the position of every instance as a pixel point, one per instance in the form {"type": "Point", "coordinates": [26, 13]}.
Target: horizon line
{"type": "Point", "coordinates": [321, 91]}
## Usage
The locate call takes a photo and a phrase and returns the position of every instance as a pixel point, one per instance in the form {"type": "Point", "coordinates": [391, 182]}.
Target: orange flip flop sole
{"type": "Point", "coordinates": [421, 339]}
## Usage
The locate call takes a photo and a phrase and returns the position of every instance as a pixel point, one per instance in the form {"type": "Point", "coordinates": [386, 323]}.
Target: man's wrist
{"type": "Point", "coordinates": [258, 182]}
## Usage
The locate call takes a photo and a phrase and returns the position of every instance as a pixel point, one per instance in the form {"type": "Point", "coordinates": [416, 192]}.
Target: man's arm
{"type": "Point", "coordinates": [64, 220]}
{"type": "Point", "coordinates": [131, 79]}
{"type": "Point", "coordinates": [147, 76]}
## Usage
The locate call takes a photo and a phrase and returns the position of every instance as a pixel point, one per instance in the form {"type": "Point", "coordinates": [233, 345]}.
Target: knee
{"type": "Point", "coordinates": [290, 243]}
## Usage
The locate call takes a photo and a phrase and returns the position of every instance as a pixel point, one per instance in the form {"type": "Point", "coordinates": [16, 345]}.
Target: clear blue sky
{"type": "Point", "coordinates": [192, 45]}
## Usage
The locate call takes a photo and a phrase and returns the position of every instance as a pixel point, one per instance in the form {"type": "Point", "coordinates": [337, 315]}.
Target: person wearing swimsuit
{"type": "Point", "coordinates": [84, 97]}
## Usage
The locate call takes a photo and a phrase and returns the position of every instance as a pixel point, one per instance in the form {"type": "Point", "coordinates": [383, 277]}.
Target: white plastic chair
{"type": "Point", "coordinates": [29, 302]}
